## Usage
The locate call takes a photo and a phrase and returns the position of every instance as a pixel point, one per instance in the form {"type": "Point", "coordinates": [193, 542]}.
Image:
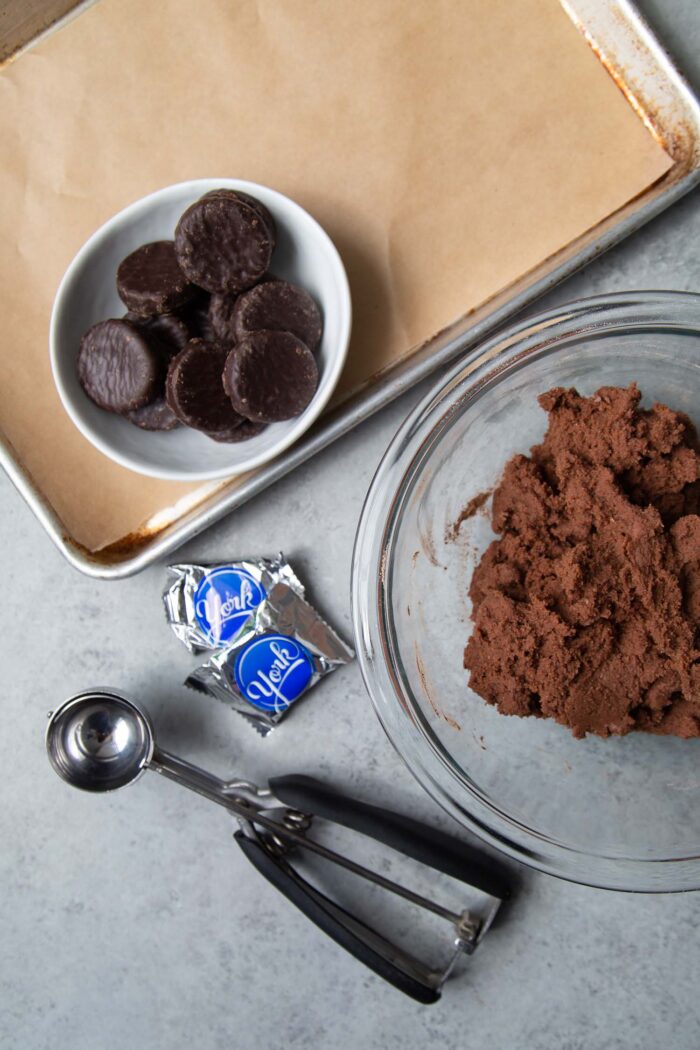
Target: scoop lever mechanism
{"type": "Point", "coordinates": [100, 740]}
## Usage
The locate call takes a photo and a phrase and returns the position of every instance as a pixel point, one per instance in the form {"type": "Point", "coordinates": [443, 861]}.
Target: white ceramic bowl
{"type": "Point", "coordinates": [304, 254]}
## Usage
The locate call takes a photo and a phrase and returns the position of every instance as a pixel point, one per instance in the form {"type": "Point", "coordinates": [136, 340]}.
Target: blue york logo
{"type": "Point", "coordinates": [273, 671]}
{"type": "Point", "coordinates": [224, 600]}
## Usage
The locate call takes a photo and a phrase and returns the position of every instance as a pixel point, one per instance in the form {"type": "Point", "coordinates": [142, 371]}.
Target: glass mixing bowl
{"type": "Point", "coordinates": [622, 813]}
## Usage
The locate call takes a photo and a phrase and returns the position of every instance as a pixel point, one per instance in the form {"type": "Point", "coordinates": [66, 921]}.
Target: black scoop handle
{"type": "Point", "coordinates": [350, 933]}
{"type": "Point", "coordinates": [427, 845]}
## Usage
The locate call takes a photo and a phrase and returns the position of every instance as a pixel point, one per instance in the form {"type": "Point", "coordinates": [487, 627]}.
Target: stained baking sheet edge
{"type": "Point", "coordinates": [653, 86]}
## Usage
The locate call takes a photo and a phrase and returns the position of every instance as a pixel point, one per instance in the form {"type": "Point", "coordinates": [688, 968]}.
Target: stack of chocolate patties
{"type": "Point", "coordinates": [211, 339]}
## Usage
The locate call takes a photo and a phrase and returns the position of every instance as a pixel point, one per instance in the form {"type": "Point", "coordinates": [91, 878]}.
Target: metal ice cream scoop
{"type": "Point", "coordinates": [100, 740]}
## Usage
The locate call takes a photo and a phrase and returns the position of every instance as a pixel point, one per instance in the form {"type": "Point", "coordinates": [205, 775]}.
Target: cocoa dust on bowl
{"type": "Point", "coordinates": [568, 594]}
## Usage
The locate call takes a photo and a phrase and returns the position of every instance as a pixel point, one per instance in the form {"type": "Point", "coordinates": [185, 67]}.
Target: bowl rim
{"type": "Point", "coordinates": [297, 426]}
{"type": "Point", "coordinates": [371, 585]}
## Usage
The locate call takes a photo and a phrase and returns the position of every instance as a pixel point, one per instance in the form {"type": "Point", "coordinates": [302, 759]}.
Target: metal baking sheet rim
{"type": "Point", "coordinates": [618, 17]}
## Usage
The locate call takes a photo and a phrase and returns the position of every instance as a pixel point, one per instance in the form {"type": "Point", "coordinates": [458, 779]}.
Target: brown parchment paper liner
{"type": "Point", "coordinates": [447, 147]}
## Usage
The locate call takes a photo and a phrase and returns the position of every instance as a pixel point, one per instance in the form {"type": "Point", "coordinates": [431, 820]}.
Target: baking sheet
{"type": "Point", "coordinates": [448, 149]}
{"type": "Point", "coordinates": [22, 21]}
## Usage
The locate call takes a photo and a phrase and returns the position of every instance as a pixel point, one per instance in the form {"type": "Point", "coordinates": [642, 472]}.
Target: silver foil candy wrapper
{"type": "Point", "coordinates": [207, 605]}
{"type": "Point", "coordinates": [283, 651]}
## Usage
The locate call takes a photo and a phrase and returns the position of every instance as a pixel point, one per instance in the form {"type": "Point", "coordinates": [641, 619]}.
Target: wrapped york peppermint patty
{"type": "Point", "coordinates": [207, 605]}
{"type": "Point", "coordinates": [283, 650]}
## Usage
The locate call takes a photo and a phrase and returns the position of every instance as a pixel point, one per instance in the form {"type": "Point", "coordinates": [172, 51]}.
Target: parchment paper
{"type": "Point", "coordinates": [447, 146]}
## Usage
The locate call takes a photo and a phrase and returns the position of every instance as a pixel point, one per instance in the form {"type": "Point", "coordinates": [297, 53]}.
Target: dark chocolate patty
{"type": "Point", "coordinates": [195, 316]}
{"type": "Point", "coordinates": [194, 388]}
{"type": "Point", "coordinates": [270, 376]}
{"type": "Point", "coordinates": [278, 306]}
{"type": "Point", "coordinates": [150, 280]}
{"type": "Point", "coordinates": [117, 367]}
{"type": "Point", "coordinates": [221, 308]}
{"type": "Point", "coordinates": [169, 332]}
{"type": "Point", "coordinates": [222, 244]}
{"type": "Point", "coordinates": [244, 432]}
{"type": "Point", "coordinates": [253, 202]}
{"type": "Point", "coordinates": [157, 415]}
{"type": "Point", "coordinates": [221, 313]}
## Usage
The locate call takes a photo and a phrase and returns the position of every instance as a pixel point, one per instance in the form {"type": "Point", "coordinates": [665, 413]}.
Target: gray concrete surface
{"type": "Point", "coordinates": [132, 922]}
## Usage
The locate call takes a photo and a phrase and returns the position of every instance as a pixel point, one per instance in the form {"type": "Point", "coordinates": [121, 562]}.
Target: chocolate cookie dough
{"type": "Point", "coordinates": [117, 366]}
{"type": "Point", "coordinates": [270, 376]}
{"type": "Point", "coordinates": [150, 281]}
{"type": "Point", "coordinates": [223, 244]}
{"type": "Point", "coordinates": [587, 609]}
{"type": "Point", "coordinates": [277, 306]}
{"type": "Point", "coordinates": [194, 390]}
